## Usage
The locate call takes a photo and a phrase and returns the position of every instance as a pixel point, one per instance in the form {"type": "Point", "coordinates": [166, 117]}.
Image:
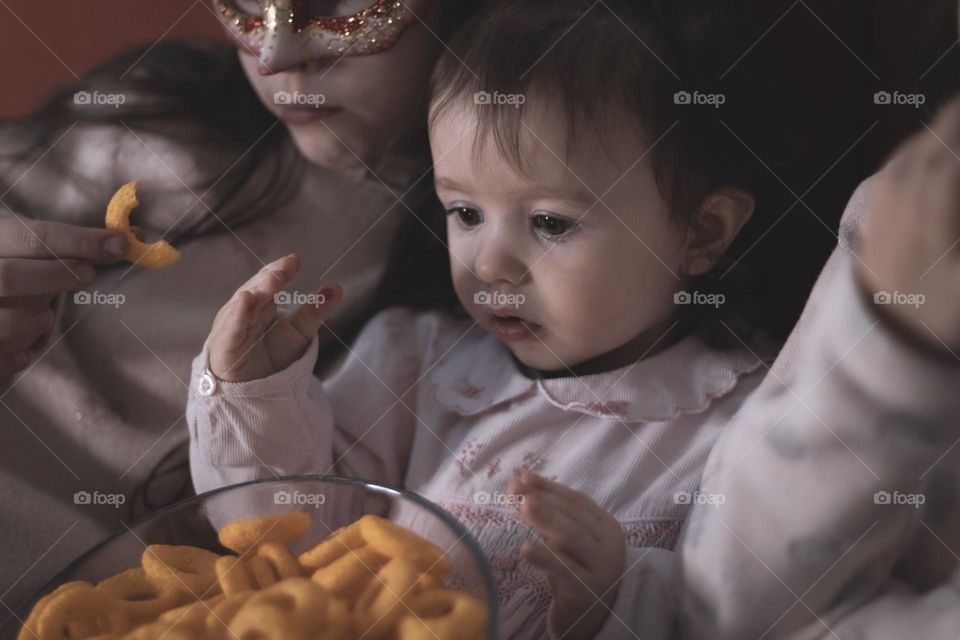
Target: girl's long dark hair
{"type": "Point", "coordinates": [193, 94]}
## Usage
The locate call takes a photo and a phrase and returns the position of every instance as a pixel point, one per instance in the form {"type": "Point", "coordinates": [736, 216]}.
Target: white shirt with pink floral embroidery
{"type": "Point", "coordinates": [439, 407]}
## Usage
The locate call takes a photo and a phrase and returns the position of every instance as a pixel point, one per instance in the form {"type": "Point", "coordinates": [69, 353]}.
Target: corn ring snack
{"type": "Point", "coordinates": [395, 541]}
{"type": "Point", "coordinates": [443, 614]}
{"type": "Point", "coordinates": [165, 630]}
{"type": "Point", "coordinates": [289, 610]}
{"type": "Point", "coordinates": [219, 617]}
{"type": "Point", "coordinates": [140, 597]}
{"type": "Point", "coordinates": [80, 612]}
{"type": "Point", "coordinates": [382, 602]}
{"type": "Point", "coordinates": [193, 615]}
{"type": "Point", "coordinates": [182, 568]}
{"type": "Point", "coordinates": [242, 535]}
{"type": "Point", "coordinates": [152, 256]}
{"type": "Point", "coordinates": [333, 547]}
{"type": "Point", "coordinates": [263, 575]}
{"type": "Point", "coordinates": [29, 629]}
{"type": "Point", "coordinates": [283, 563]}
{"type": "Point", "coordinates": [339, 621]}
{"type": "Point", "coordinates": [232, 575]}
{"type": "Point", "coordinates": [348, 576]}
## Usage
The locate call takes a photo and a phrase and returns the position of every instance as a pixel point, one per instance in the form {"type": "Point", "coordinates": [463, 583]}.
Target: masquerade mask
{"type": "Point", "coordinates": [286, 33]}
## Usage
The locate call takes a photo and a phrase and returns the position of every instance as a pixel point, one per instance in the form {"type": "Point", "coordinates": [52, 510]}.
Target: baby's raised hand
{"type": "Point", "coordinates": [251, 339]}
{"type": "Point", "coordinates": [910, 254]}
{"type": "Point", "coordinates": [583, 552]}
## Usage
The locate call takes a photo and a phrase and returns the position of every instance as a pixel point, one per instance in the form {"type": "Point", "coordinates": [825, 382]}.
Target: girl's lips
{"type": "Point", "coordinates": [305, 114]}
{"type": "Point", "coordinates": [514, 329]}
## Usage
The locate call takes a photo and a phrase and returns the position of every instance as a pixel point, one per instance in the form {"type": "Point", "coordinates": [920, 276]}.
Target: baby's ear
{"type": "Point", "coordinates": [722, 215]}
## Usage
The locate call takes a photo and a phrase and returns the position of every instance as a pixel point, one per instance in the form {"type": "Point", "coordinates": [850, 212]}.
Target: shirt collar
{"type": "Point", "coordinates": [480, 374]}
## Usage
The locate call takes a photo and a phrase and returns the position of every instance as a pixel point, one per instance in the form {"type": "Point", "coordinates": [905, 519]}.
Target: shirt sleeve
{"type": "Point", "coordinates": [818, 480]}
{"type": "Point", "coordinates": [359, 422]}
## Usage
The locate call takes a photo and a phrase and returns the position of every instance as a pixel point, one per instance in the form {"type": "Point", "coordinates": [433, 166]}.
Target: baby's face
{"type": "Point", "coordinates": [568, 264]}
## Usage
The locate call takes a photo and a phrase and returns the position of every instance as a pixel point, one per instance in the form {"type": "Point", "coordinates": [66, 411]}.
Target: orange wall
{"type": "Point", "coordinates": [45, 42]}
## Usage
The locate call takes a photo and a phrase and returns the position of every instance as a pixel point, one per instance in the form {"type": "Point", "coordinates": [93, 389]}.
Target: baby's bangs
{"type": "Point", "coordinates": [504, 63]}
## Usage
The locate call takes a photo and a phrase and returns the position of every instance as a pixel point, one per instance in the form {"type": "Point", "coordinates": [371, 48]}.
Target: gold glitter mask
{"type": "Point", "coordinates": [286, 33]}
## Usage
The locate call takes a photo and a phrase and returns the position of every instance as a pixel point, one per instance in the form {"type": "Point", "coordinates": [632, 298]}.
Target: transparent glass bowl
{"type": "Point", "coordinates": [332, 502]}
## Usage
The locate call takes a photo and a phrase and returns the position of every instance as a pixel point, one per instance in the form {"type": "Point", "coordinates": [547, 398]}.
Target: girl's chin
{"type": "Point", "coordinates": [319, 146]}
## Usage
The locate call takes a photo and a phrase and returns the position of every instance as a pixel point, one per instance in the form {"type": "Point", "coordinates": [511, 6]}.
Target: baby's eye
{"type": "Point", "coordinates": [467, 216]}
{"type": "Point", "coordinates": [552, 225]}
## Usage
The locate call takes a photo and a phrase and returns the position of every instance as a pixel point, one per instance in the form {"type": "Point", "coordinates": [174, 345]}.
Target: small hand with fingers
{"type": "Point", "coordinates": [252, 339]}
{"type": "Point", "coordinates": [583, 552]}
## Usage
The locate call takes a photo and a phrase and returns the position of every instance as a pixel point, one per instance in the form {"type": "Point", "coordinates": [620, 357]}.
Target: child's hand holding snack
{"type": "Point", "coordinates": [583, 552]}
{"type": "Point", "coordinates": [250, 339]}
{"type": "Point", "coordinates": [910, 256]}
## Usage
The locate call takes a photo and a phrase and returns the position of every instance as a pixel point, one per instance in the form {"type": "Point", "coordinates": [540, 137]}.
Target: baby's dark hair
{"type": "Point", "coordinates": [624, 68]}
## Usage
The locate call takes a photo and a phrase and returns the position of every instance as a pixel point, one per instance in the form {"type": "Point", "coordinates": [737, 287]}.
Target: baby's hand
{"type": "Point", "coordinates": [583, 553]}
{"type": "Point", "coordinates": [911, 238]}
{"type": "Point", "coordinates": [251, 340]}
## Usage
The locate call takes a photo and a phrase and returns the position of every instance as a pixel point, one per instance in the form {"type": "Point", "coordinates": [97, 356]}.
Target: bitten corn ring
{"type": "Point", "coordinates": [152, 256]}
{"type": "Point", "coordinates": [242, 535]}
{"type": "Point", "coordinates": [442, 614]}
{"type": "Point", "coordinates": [394, 541]}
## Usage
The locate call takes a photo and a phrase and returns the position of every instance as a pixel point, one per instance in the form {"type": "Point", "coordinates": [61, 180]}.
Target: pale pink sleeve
{"type": "Point", "coordinates": [290, 423]}
{"type": "Point", "coordinates": [816, 480]}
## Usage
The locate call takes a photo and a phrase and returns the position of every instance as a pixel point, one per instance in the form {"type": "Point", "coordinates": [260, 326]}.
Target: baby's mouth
{"type": "Point", "coordinates": [513, 328]}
